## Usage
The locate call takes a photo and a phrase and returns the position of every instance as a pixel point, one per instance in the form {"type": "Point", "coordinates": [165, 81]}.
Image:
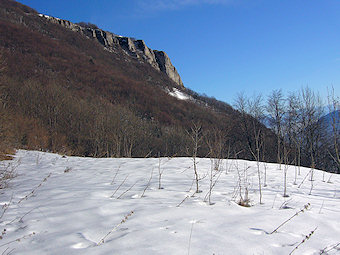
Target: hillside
{"type": "Point", "coordinates": [329, 120]}
{"type": "Point", "coordinates": [42, 199]}
{"type": "Point", "coordinates": [65, 91]}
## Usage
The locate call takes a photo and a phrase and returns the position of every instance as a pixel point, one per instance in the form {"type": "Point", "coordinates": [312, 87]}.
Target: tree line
{"type": "Point", "coordinates": [304, 136]}
{"type": "Point", "coordinates": [61, 93]}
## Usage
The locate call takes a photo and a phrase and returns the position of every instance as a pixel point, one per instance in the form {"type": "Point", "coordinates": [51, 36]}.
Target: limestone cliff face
{"type": "Point", "coordinates": [159, 60]}
{"type": "Point", "coordinates": [165, 66]}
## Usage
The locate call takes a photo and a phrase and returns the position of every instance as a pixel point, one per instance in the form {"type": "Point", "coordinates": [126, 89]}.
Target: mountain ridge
{"type": "Point", "coordinates": [159, 60]}
{"type": "Point", "coordinates": [64, 93]}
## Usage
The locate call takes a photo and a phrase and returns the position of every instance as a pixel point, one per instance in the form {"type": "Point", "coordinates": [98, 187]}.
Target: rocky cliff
{"type": "Point", "coordinates": [134, 48]}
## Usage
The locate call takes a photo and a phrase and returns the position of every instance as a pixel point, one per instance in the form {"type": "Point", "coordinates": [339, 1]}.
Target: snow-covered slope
{"type": "Point", "coordinates": [68, 205]}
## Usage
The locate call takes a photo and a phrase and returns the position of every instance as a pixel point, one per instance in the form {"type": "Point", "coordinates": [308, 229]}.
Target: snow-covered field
{"type": "Point", "coordinates": [59, 205]}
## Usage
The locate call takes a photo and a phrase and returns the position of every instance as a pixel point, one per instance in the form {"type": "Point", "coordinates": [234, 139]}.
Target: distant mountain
{"type": "Point", "coordinates": [329, 120]}
{"type": "Point", "coordinates": [77, 89]}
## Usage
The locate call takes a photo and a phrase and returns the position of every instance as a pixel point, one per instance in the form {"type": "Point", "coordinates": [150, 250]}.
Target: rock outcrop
{"type": "Point", "coordinates": [159, 60]}
{"type": "Point", "coordinates": [165, 66]}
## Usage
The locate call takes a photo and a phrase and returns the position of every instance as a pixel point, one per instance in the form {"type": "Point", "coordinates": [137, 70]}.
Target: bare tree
{"type": "Point", "coordinates": [243, 186]}
{"type": "Point", "coordinates": [334, 113]}
{"type": "Point", "coordinates": [2, 62]}
{"type": "Point", "coordinates": [285, 155]}
{"type": "Point", "coordinates": [311, 112]}
{"type": "Point", "coordinates": [293, 130]}
{"type": "Point", "coordinates": [291, 139]}
{"type": "Point", "coordinates": [256, 110]}
{"type": "Point", "coordinates": [215, 142]}
{"type": "Point", "coordinates": [276, 110]}
{"type": "Point", "coordinates": [196, 137]}
{"type": "Point", "coordinates": [241, 104]}
{"type": "Point", "coordinates": [252, 112]}
{"type": "Point", "coordinates": [3, 111]}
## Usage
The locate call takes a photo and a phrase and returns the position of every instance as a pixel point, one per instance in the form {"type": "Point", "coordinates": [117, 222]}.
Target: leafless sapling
{"type": "Point", "coordinates": [119, 186]}
{"type": "Point", "coordinates": [306, 207]}
{"type": "Point", "coordinates": [160, 172]}
{"type": "Point", "coordinates": [148, 184]}
{"type": "Point", "coordinates": [256, 110]}
{"type": "Point", "coordinates": [215, 142]}
{"type": "Point", "coordinates": [307, 237]}
{"type": "Point", "coordinates": [196, 138]}
{"type": "Point", "coordinates": [102, 240]}
{"type": "Point", "coordinates": [243, 186]}
{"type": "Point", "coordinates": [252, 128]}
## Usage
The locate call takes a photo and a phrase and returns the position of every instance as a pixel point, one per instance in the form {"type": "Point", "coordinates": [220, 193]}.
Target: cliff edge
{"type": "Point", "coordinates": [159, 60]}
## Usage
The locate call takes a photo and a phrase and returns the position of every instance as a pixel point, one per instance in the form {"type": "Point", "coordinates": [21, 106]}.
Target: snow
{"type": "Point", "coordinates": [67, 204]}
{"type": "Point", "coordinates": [44, 16]}
{"type": "Point", "coordinates": [179, 94]}
{"type": "Point", "coordinates": [47, 17]}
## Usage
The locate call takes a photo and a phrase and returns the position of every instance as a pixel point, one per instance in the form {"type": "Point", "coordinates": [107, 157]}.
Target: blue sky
{"type": "Point", "coordinates": [222, 47]}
